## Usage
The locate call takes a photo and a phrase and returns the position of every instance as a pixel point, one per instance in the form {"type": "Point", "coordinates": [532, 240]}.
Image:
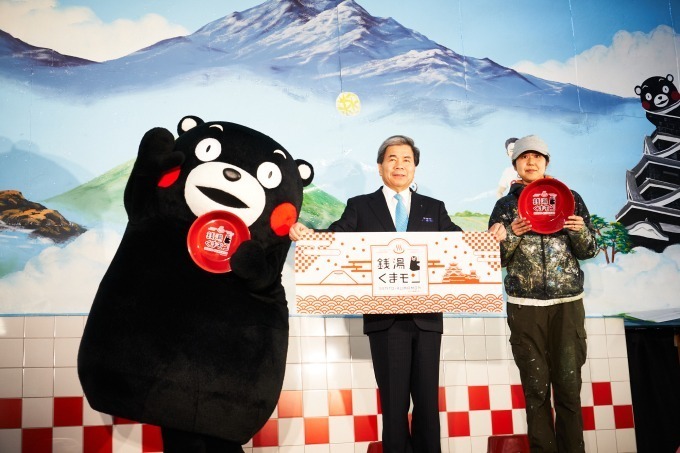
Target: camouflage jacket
{"type": "Point", "coordinates": [543, 269]}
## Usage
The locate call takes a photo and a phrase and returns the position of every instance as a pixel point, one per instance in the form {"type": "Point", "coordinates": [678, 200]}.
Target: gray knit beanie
{"type": "Point", "coordinates": [530, 143]}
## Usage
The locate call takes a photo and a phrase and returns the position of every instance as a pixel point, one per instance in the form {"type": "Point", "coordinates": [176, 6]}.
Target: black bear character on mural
{"type": "Point", "coordinates": [199, 353]}
{"type": "Point", "coordinates": [651, 212]}
{"type": "Point", "coordinates": [660, 99]}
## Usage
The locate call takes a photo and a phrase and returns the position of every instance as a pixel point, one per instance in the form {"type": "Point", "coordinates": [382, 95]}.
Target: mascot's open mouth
{"type": "Point", "coordinates": [222, 197]}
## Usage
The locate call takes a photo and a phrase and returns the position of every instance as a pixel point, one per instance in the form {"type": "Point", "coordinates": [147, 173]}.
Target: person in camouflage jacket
{"type": "Point", "coordinates": [544, 287]}
{"type": "Point", "coordinates": [543, 266]}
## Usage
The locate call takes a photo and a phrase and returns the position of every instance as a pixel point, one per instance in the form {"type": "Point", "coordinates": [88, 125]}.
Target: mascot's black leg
{"type": "Point", "coordinates": [177, 441]}
{"type": "Point", "coordinates": [216, 445]}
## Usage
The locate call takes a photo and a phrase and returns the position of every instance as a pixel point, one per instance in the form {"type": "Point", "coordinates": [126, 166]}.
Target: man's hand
{"type": "Point", "coordinates": [498, 231]}
{"type": "Point", "coordinates": [297, 231]}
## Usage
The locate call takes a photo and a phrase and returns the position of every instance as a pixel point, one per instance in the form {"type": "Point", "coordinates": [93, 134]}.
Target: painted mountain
{"type": "Point", "coordinates": [326, 46]}
{"type": "Point", "coordinates": [18, 55]}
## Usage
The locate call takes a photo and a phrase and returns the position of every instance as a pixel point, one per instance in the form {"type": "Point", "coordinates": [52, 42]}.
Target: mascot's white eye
{"type": "Point", "coordinates": [269, 175]}
{"type": "Point", "coordinates": [648, 96]}
{"type": "Point", "coordinates": [208, 149]}
{"type": "Point", "coordinates": [666, 89]}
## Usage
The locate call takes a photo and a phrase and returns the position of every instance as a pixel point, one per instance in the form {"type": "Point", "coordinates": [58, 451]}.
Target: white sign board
{"type": "Point", "coordinates": [413, 272]}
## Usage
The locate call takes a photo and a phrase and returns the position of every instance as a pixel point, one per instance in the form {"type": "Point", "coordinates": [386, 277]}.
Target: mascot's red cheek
{"type": "Point", "coordinates": [283, 217]}
{"type": "Point", "coordinates": [675, 96]}
{"type": "Point", "coordinates": [169, 177]}
{"type": "Point", "coordinates": [645, 105]}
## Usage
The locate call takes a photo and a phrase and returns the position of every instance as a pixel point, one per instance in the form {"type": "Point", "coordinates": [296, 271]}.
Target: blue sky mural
{"type": "Point", "coordinates": [458, 76]}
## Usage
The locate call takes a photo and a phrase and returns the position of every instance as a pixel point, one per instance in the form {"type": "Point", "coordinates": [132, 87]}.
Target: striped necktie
{"type": "Point", "coordinates": [400, 216]}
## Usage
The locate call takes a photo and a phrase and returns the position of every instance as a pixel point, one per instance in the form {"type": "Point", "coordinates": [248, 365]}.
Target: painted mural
{"type": "Point", "coordinates": [81, 82]}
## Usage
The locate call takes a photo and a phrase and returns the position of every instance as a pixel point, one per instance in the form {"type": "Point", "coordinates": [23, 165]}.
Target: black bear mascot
{"type": "Point", "coordinates": [189, 327]}
{"type": "Point", "coordinates": [661, 101]}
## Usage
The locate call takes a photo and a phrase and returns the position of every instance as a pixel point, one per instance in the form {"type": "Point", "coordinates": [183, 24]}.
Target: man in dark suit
{"type": "Point", "coordinates": [405, 348]}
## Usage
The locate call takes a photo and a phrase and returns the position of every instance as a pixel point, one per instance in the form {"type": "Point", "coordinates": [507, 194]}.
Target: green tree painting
{"type": "Point", "coordinates": [612, 238]}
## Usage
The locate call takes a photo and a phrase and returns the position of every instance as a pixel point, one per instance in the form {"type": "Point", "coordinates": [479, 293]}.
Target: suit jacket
{"type": "Point", "coordinates": [369, 213]}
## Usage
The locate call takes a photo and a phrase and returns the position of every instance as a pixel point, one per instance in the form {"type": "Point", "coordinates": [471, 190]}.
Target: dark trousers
{"type": "Point", "coordinates": [549, 347]}
{"type": "Point", "coordinates": [406, 366]}
{"type": "Point", "coordinates": [176, 441]}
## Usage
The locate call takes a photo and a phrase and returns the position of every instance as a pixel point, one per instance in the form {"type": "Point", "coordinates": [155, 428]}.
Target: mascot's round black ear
{"type": "Point", "coordinates": [306, 171]}
{"type": "Point", "coordinates": [187, 123]}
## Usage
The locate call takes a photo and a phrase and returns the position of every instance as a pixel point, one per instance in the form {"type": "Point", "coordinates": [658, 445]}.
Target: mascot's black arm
{"type": "Point", "coordinates": [257, 267]}
{"type": "Point", "coordinates": [139, 197]}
